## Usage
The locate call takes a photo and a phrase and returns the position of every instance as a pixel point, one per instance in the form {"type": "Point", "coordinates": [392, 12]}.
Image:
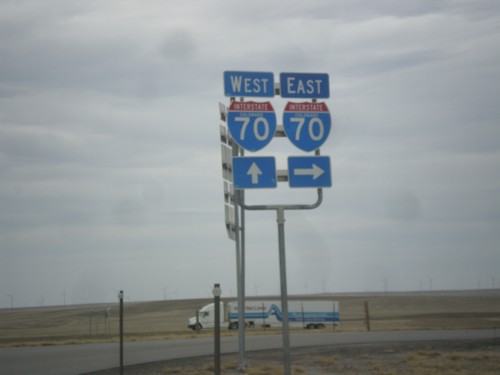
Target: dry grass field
{"type": "Point", "coordinates": [167, 319]}
{"type": "Point", "coordinates": [481, 358]}
{"type": "Point", "coordinates": [388, 311]}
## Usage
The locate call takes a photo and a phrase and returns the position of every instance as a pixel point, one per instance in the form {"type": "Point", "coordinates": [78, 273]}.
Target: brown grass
{"type": "Point", "coordinates": [167, 319]}
{"type": "Point", "coordinates": [435, 362]}
{"type": "Point", "coordinates": [231, 368]}
{"type": "Point", "coordinates": [326, 361]}
{"type": "Point", "coordinates": [470, 357]}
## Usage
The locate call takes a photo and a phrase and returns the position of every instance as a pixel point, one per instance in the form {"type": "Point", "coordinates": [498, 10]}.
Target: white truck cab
{"type": "Point", "coordinates": [206, 317]}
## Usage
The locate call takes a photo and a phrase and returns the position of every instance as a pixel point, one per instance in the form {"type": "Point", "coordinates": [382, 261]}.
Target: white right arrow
{"type": "Point", "coordinates": [255, 172]}
{"type": "Point", "coordinates": [314, 171]}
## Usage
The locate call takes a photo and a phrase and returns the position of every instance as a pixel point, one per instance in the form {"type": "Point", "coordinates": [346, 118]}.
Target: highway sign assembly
{"type": "Point", "coordinates": [307, 125]}
{"type": "Point", "coordinates": [252, 124]}
{"type": "Point", "coordinates": [254, 172]}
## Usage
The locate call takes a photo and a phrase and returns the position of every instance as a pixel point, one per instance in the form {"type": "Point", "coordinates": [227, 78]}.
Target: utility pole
{"type": "Point", "coordinates": [386, 287]}
{"type": "Point", "coordinates": [63, 295]}
{"type": "Point", "coordinates": [11, 300]}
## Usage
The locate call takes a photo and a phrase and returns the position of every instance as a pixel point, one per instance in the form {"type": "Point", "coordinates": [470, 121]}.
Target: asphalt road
{"type": "Point", "coordinates": [79, 359]}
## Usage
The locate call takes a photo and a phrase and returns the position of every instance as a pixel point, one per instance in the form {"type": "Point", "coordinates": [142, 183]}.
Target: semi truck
{"type": "Point", "coordinates": [301, 314]}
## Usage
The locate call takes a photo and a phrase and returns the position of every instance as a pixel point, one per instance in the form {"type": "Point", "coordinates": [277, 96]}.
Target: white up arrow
{"type": "Point", "coordinates": [255, 172]}
{"type": "Point", "coordinates": [314, 171]}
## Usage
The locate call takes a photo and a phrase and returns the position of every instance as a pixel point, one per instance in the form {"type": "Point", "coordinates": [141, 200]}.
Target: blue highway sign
{"type": "Point", "coordinates": [307, 125]}
{"type": "Point", "coordinates": [254, 84]}
{"type": "Point", "coordinates": [304, 85]}
{"type": "Point", "coordinates": [252, 124]}
{"type": "Point", "coordinates": [309, 172]}
{"type": "Point", "coordinates": [254, 172]}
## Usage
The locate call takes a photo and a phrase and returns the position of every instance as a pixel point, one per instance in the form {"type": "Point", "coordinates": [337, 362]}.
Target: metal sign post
{"type": "Point", "coordinates": [280, 212]}
{"type": "Point", "coordinates": [284, 290]}
{"type": "Point", "coordinates": [235, 223]}
{"type": "Point", "coordinates": [240, 278]}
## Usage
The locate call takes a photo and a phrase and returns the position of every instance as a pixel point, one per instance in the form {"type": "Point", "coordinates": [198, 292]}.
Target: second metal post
{"type": "Point", "coordinates": [284, 292]}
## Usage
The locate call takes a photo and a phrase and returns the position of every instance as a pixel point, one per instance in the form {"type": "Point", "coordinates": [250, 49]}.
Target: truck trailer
{"type": "Point", "coordinates": [301, 314]}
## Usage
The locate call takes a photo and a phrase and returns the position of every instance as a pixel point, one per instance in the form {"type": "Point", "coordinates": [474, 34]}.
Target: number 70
{"type": "Point", "coordinates": [261, 136]}
{"type": "Point", "coordinates": [315, 127]}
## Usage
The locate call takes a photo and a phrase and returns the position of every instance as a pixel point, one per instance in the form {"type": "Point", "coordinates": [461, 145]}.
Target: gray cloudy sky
{"type": "Point", "coordinates": [110, 156]}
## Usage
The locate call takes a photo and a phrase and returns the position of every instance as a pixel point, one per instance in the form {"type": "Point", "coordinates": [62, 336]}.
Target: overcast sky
{"type": "Point", "coordinates": [110, 165]}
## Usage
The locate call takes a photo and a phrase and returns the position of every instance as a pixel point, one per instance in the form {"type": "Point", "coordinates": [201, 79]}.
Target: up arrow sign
{"type": "Point", "coordinates": [314, 171]}
{"type": "Point", "coordinates": [255, 172]}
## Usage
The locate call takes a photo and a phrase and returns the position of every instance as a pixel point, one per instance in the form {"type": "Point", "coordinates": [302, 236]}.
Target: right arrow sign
{"type": "Point", "coordinates": [309, 171]}
{"type": "Point", "coordinates": [314, 172]}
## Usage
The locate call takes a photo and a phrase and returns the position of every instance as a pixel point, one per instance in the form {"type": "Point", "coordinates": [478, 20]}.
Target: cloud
{"type": "Point", "coordinates": [110, 154]}
{"type": "Point", "coordinates": [180, 45]}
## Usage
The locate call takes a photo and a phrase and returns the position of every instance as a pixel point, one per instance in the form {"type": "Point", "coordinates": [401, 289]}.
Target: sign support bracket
{"type": "Point", "coordinates": [280, 213]}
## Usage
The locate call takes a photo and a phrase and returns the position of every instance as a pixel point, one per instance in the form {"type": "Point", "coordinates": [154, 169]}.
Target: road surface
{"type": "Point", "coordinates": [80, 359]}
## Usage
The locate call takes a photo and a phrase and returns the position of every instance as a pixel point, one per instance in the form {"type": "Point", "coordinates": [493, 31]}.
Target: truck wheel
{"type": "Point", "coordinates": [197, 327]}
{"type": "Point", "coordinates": [320, 326]}
{"type": "Point", "coordinates": [233, 325]}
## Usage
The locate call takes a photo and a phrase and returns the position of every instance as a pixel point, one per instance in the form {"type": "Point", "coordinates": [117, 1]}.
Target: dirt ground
{"type": "Point", "coordinates": [436, 357]}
